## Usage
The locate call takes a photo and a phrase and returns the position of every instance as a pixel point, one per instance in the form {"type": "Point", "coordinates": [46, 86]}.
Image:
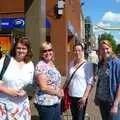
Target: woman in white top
{"type": "Point", "coordinates": [14, 103]}
{"type": "Point", "coordinates": [48, 79]}
{"type": "Point", "coordinates": [81, 83]}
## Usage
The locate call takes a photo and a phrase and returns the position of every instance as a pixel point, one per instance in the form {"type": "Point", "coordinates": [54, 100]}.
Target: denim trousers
{"type": "Point", "coordinates": [77, 113]}
{"type": "Point", "coordinates": [49, 112]}
{"type": "Point", "coordinates": [105, 108]}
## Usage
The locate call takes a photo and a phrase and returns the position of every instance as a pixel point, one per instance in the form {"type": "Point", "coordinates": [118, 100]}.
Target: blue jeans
{"type": "Point", "coordinates": [49, 112]}
{"type": "Point", "coordinates": [77, 113]}
{"type": "Point", "coordinates": [105, 108]}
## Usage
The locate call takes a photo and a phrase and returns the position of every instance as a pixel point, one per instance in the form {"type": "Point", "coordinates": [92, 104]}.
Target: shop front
{"type": "Point", "coordinates": [9, 28]}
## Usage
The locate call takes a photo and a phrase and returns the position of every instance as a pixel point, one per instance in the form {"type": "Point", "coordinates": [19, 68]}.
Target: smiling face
{"type": "Point", "coordinates": [21, 51]}
{"type": "Point", "coordinates": [78, 52]}
{"type": "Point", "coordinates": [105, 50]}
{"type": "Point", "coordinates": [47, 52]}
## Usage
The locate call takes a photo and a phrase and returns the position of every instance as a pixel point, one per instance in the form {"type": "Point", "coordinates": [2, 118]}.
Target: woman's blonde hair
{"type": "Point", "coordinates": [106, 42]}
{"type": "Point", "coordinates": [45, 44]}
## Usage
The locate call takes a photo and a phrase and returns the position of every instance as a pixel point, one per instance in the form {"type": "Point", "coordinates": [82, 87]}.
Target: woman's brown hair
{"type": "Point", "coordinates": [25, 41]}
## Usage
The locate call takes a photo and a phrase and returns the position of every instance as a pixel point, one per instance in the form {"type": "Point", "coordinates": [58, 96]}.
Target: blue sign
{"type": "Point", "coordinates": [8, 23]}
{"type": "Point", "coordinates": [47, 23]}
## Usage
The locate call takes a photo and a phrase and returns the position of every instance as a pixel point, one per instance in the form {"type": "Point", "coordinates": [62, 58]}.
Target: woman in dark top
{"type": "Point", "coordinates": [108, 87]}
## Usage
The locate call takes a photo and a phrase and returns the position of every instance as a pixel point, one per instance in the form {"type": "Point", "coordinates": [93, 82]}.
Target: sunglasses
{"type": "Point", "coordinates": [47, 50]}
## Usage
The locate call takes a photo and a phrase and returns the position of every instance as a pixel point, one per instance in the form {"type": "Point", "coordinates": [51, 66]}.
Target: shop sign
{"type": "Point", "coordinates": [9, 23]}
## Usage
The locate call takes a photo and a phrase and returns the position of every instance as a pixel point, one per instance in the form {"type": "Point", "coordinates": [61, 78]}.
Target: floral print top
{"type": "Point", "coordinates": [54, 79]}
{"type": "Point", "coordinates": [103, 87]}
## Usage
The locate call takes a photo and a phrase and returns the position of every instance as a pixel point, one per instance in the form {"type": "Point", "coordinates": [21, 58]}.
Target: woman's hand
{"type": "Point", "coordinates": [82, 102]}
{"type": "Point", "coordinates": [60, 92]}
{"type": "Point", "coordinates": [21, 93]}
{"type": "Point", "coordinates": [114, 109]}
{"type": "Point", "coordinates": [13, 92]}
{"type": "Point", "coordinates": [10, 91]}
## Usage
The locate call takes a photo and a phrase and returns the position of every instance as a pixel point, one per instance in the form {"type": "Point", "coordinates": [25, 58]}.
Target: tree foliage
{"type": "Point", "coordinates": [108, 36]}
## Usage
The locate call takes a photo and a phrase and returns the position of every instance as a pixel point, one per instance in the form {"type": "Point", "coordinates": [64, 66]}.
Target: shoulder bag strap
{"type": "Point", "coordinates": [5, 65]}
{"type": "Point", "coordinates": [73, 74]}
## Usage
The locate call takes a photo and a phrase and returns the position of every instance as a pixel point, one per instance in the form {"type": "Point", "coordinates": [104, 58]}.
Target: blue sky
{"type": "Point", "coordinates": [105, 13]}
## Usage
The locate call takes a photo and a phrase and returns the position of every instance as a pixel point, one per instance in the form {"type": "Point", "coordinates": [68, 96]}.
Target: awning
{"type": "Point", "coordinates": [47, 23]}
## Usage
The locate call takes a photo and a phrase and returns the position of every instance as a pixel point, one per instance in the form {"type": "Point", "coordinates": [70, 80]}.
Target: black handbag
{"type": "Point", "coordinates": [5, 65]}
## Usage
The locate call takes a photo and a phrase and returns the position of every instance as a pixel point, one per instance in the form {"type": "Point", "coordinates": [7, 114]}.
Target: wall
{"type": "Point", "coordinates": [11, 8]}
{"type": "Point", "coordinates": [58, 37]}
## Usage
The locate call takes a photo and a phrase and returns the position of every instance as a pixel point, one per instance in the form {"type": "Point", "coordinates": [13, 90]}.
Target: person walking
{"type": "Point", "coordinates": [14, 103]}
{"type": "Point", "coordinates": [48, 80]}
{"type": "Point", "coordinates": [108, 86]}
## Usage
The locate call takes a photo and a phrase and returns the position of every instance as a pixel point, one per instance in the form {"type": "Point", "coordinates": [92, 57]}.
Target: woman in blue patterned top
{"type": "Point", "coordinates": [108, 87]}
{"type": "Point", "coordinates": [48, 79]}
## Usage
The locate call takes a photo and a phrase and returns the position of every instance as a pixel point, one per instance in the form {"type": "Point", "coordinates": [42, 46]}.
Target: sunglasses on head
{"type": "Point", "coordinates": [47, 50]}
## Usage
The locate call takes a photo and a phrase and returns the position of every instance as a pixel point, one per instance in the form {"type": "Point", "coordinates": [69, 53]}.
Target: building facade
{"type": "Point", "coordinates": [64, 25]}
{"type": "Point", "coordinates": [64, 29]}
{"type": "Point", "coordinates": [11, 22]}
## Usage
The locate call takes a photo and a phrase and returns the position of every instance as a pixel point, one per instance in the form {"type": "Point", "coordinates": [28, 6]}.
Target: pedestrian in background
{"type": "Point", "coordinates": [14, 103]}
{"type": "Point", "coordinates": [81, 82]}
{"type": "Point", "coordinates": [93, 58]}
{"type": "Point", "coordinates": [108, 86]}
{"type": "Point", "coordinates": [48, 79]}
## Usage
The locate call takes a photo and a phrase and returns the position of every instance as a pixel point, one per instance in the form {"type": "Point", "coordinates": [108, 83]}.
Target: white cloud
{"type": "Point", "coordinates": [112, 17]}
{"type": "Point", "coordinates": [117, 1]}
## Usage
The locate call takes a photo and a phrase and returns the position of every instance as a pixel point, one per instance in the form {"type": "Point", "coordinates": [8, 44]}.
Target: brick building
{"type": "Point", "coordinates": [63, 29]}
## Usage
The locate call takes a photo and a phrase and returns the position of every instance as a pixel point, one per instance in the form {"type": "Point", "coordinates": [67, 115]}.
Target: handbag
{"type": "Point", "coordinates": [65, 102]}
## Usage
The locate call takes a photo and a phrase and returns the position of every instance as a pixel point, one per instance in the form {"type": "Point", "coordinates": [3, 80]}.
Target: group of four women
{"type": "Point", "coordinates": [14, 103]}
